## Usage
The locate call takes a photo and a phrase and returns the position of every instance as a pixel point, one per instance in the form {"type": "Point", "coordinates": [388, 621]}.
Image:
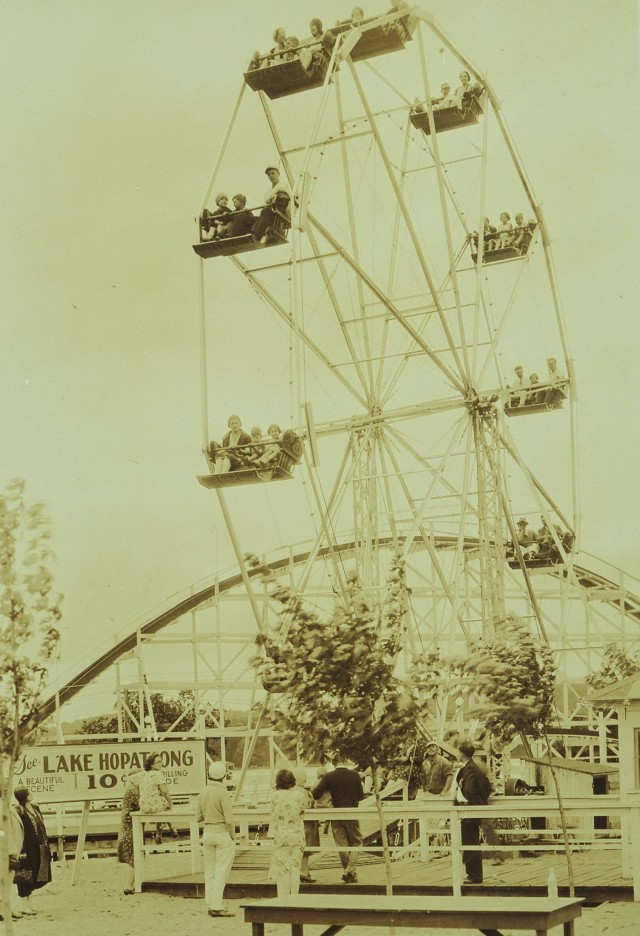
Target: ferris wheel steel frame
{"type": "Point", "coordinates": [463, 594]}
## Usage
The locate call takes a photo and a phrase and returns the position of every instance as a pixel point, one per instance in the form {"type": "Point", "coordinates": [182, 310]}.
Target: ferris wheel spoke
{"type": "Point", "coordinates": [428, 541]}
{"type": "Point", "coordinates": [326, 511]}
{"type": "Point", "coordinates": [444, 208]}
{"type": "Point", "coordinates": [407, 219]}
{"type": "Point", "coordinates": [302, 334]}
{"type": "Point", "coordinates": [380, 295]}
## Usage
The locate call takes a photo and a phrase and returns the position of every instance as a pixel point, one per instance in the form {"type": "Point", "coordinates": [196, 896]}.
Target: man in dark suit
{"type": "Point", "coordinates": [473, 789]}
{"type": "Point", "coordinates": [345, 786]}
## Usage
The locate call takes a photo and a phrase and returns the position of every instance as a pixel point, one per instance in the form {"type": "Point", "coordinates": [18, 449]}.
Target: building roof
{"type": "Point", "coordinates": [625, 690]}
{"type": "Point", "coordinates": [579, 766]}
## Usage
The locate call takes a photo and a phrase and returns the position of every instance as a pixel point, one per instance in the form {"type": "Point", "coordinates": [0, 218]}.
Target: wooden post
{"type": "Point", "coordinates": [82, 835]}
{"type": "Point", "coordinates": [456, 852]}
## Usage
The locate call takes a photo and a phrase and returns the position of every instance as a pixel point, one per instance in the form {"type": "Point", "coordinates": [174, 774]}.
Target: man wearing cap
{"type": "Point", "coordinates": [438, 772]}
{"type": "Point", "coordinates": [277, 198]}
{"type": "Point", "coordinates": [218, 839]}
{"type": "Point", "coordinates": [242, 220]}
{"type": "Point", "coordinates": [527, 539]}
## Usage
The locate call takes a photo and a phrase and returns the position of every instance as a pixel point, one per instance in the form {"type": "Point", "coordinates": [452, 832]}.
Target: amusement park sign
{"type": "Point", "coordinates": [71, 772]}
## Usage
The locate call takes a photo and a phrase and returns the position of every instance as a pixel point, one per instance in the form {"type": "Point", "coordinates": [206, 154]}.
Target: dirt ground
{"type": "Point", "coordinates": [97, 905]}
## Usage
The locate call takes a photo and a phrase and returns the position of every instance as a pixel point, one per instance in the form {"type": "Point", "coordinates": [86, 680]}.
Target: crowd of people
{"type": "Point", "coordinates": [225, 222]}
{"type": "Point", "coordinates": [239, 449]}
{"type": "Point", "coordinates": [449, 98]}
{"type": "Point", "coordinates": [516, 234]}
{"type": "Point", "coordinates": [540, 544]}
{"type": "Point", "coordinates": [532, 391]}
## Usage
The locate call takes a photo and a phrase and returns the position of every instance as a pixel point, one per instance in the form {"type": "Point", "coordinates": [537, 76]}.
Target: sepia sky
{"type": "Point", "coordinates": [112, 113]}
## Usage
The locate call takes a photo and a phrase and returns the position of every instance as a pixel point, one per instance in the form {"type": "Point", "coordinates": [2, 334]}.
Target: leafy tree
{"type": "Point", "coordinates": [29, 618]}
{"type": "Point", "coordinates": [616, 664]}
{"type": "Point", "coordinates": [334, 681]}
{"type": "Point", "coordinates": [515, 678]}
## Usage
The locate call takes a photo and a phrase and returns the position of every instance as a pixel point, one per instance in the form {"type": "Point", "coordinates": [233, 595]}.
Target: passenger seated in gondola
{"type": "Point", "coordinates": [504, 232]}
{"type": "Point", "coordinates": [519, 386]}
{"type": "Point", "coordinates": [272, 448]}
{"type": "Point", "coordinates": [257, 449]}
{"type": "Point", "coordinates": [488, 231]}
{"type": "Point", "coordinates": [291, 43]}
{"type": "Point", "coordinates": [555, 395]}
{"type": "Point", "coordinates": [534, 395]}
{"type": "Point", "coordinates": [277, 198]}
{"type": "Point", "coordinates": [230, 456]}
{"type": "Point", "coordinates": [242, 220]}
{"type": "Point", "coordinates": [357, 15]}
{"type": "Point", "coordinates": [527, 540]}
{"type": "Point", "coordinates": [521, 234]}
{"type": "Point", "coordinates": [222, 216]}
{"type": "Point", "coordinates": [545, 540]}
{"type": "Point", "coordinates": [446, 98]}
{"type": "Point", "coordinates": [280, 47]}
{"type": "Point", "coordinates": [466, 88]}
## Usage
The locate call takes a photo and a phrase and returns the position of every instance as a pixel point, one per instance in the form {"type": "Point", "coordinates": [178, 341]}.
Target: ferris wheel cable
{"type": "Point", "coordinates": [400, 440]}
{"type": "Point", "coordinates": [394, 253]}
{"type": "Point", "coordinates": [408, 222]}
{"type": "Point", "coordinates": [393, 379]}
{"type": "Point", "coordinates": [426, 539]}
{"type": "Point", "coordinates": [204, 380]}
{"type": "Point", "coordinates": [506, 439]}
{"type": "Point", "coordinates": [314, 246]}
{"type": "Point", "coordinates": [386, 302]}
{"type": "Point", "coordinates": [240, 560]}
{"type": "Point", "coordinates": [479, 292]}
{"type": "Point", "coordinates": [443, 204]}
{"type": "Point", "coordinates": [282, 312]}
{"type": "Point", "coordinates": [327, 527]}
{"type": "Point", "coordinates": [464, 510]}
{"type": "Point", "coordinates": [456, 436]}
{"type": "Point", "coordinates": [354, 238]}
{"type": "Point", "coordinates": [497, 331]}
{"type": "Point", "coordinates": [223, 148]}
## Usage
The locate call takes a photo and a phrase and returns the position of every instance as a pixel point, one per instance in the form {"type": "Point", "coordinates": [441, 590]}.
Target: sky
{"type": "Point", "coordinates": [113, 113]}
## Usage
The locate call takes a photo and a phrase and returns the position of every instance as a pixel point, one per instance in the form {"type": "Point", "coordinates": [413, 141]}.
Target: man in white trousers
{"type": "Point", "coordinates": [214, 809]}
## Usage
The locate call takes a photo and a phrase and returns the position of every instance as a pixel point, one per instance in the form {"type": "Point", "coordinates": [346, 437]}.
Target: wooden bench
{"type": "Point", "coordinates": [486, 914]}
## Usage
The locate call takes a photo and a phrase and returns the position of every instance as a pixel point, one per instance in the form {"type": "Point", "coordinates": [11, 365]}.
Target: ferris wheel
{"type": "Point", "coordinates": [405, 263]}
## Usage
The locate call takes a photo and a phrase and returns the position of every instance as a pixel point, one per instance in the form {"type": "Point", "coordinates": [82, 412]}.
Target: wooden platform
{"type": "Point", "coordinates": [598, 876]}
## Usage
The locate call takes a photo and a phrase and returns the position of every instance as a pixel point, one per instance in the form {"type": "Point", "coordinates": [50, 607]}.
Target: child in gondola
{"type": "Point", "coordinates": [272, 448]}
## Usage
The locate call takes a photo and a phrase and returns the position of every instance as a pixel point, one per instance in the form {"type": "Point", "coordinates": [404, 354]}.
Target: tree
{"type": "Point", "coordinates": [616, 664]}
{"type": "Point", "coordinates": [29, 618]}
{"type": "Point", "coordinates": [334, 681]}
{"type": "Point", "coordinates": [515, 677]}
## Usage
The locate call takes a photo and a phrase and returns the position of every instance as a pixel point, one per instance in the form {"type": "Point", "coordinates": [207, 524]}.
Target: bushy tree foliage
{"type": "Point", "coordinates": [334, 680]}
{"type": "Point", "coordinates": [515, 676]}
{"type": "Point", "coordinates": [617, 664]}
{"type": "Point", "coordinates": [29, 618]}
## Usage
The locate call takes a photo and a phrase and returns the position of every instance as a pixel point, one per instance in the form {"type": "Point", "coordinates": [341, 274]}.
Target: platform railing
{"type": "Point", "coordinates": [432, 827]}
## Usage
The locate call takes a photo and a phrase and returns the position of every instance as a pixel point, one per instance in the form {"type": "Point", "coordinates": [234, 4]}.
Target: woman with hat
{"type": "Point", "coordinates": [34, 869]}
{"type": "Point", "coordinates": [218, 838]}
{"type": "Point", "coordinates": [222, 216]}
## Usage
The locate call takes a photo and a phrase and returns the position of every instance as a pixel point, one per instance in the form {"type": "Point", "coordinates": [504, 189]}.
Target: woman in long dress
{"type": "Point", "coordinates": [35, 856]}
{"type": "Point", "coordinates": [287, 829]}
{"type": "Point", "coordinates": [130, 803]}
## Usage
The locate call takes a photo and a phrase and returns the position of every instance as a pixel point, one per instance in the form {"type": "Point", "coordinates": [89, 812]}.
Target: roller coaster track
{"type": "Point", "coordinates": [598, 586]}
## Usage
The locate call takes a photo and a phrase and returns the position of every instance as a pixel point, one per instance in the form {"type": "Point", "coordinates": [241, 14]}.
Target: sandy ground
{"type": "Point", "coordinates": [97, 905]}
